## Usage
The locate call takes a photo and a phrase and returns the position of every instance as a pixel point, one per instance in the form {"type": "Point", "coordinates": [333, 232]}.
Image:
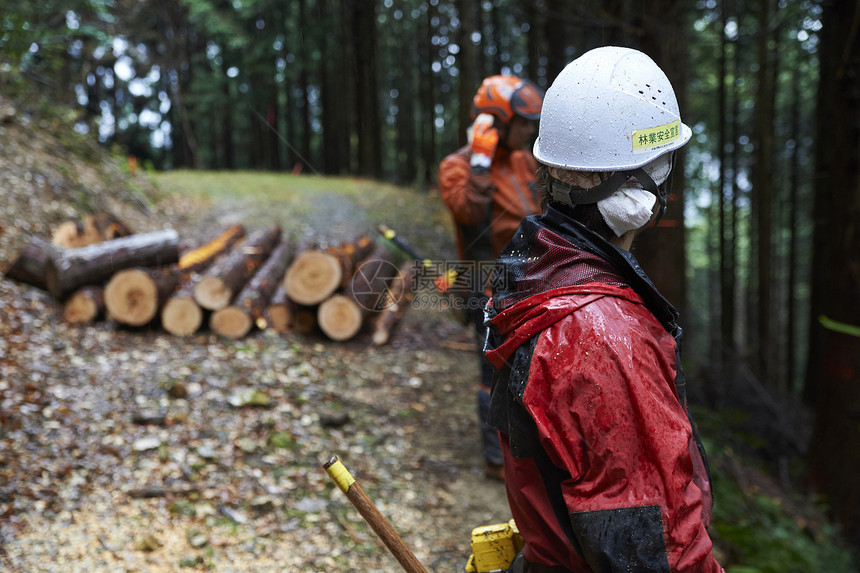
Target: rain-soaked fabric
{"type": "Point", "coordinates": [623, 539]}
{"type": "Point", "coordinates": [487, 208]}
{"type": "Point", "coordinates": [603, 468]}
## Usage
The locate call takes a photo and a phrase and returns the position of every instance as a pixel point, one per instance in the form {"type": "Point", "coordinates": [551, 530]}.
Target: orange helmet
{"type": "Point", "coordinates": [506, 96]}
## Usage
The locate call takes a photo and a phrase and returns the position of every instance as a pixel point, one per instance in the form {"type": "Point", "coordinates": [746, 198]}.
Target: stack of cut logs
{"type": "Point", "coordinates": [235, 282]}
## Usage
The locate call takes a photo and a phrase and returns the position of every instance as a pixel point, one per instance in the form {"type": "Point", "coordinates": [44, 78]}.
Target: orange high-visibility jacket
{"type": "Point", "coordinates": [487, 207]}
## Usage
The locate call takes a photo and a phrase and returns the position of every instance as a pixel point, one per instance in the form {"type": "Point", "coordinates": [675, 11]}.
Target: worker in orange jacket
{"type": "Point", "coordinates": [489, 186]}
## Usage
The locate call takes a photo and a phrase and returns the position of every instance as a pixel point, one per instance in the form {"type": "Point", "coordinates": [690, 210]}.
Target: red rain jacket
{"type": "Point", "coordinates": [603, 469]}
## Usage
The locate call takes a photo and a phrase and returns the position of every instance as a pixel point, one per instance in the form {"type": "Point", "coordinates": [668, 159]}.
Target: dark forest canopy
{"type": "Point", "coordinates": [768, 192]}
{"type": "Point", "coordinates": [378, 88]}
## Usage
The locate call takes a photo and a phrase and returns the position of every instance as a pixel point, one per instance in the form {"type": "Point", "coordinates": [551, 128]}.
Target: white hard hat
{"type": "Point", "coordinates": [610, 109]}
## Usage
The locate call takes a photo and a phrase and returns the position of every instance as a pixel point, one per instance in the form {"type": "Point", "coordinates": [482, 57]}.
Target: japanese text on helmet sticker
{"type": "Point", "coordinates": [652, 138]}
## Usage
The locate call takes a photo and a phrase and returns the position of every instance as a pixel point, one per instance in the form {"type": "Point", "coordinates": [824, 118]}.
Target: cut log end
{"type": "Point", "coordinates": [79, 310]}
{"type": "Point", "coordinates": [212, 293]}
{"type": "Point", "coordinates": [85, 305]}
{"type": "Point", "coordinates": [278, 317]}
{"type": "Point", "coordinates": [231, 322]}
{"type": "Point", "coordinates": [380, 338]}
{"type": "Point", "coordinates": [181, 316]}
{"type": "Point", "coordinates": [30, 265]}
{"type": "Point", "coordinates": [339, 318]}
{"type": "Point", "coordinates": [313, 277]}
{"type": "Point", "coordinates": [131, 297]}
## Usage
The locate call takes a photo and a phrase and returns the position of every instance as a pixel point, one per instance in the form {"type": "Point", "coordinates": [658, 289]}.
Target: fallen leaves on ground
{"type": "Point", "coordinates": [133, 450]}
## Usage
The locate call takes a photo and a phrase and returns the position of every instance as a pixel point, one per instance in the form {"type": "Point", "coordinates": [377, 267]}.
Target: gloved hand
{"type": "Point", "coordinates": [484, 139]}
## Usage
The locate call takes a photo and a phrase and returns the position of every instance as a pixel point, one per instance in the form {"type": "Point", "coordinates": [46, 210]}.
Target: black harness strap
{"type": "Point", "coordinates": [571, 195]}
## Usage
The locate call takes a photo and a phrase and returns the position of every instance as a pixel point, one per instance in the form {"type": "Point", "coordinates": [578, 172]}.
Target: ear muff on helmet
{"type": "Point", "coordinates": [527, 99]}
{"type": "Point", "coordinates": [506, 96]}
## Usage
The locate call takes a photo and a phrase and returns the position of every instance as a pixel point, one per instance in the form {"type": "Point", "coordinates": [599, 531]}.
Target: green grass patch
{"type": "Point", "coordinates": [322, 201]}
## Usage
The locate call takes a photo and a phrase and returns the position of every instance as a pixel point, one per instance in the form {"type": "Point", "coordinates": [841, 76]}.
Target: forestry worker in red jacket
{"type": "Point", "coordinates": [489, 187]}
{"type": "Point", "coordinates": [603, 467]}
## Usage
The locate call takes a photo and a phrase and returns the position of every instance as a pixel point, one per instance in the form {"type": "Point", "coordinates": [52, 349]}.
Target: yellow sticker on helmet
{"type": "Point", "coordinates": [652, 138]}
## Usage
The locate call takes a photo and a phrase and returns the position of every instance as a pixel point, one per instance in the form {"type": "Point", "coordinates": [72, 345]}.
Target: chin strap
{"type": "Point", "coordinates": [571, 196]}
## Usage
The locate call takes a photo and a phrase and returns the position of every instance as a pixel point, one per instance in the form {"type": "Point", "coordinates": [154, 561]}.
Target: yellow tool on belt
{"type": "Point", "coordinates": [494, 547]}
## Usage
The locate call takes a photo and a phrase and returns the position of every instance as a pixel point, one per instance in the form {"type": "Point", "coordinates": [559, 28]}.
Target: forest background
{"type": "Point", "coordinates": [765, 210]}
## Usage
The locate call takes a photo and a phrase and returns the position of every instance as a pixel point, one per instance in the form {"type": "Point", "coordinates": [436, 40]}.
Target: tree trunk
{"type": "Point", "coordinates": [367, 104]}
{"type": "Point", "coordinates": [833, 381]}
{"type": "Point", "coordinates": [227, 131]}
{"type": "Point", "coordinates": [738, 302]}
{"type": "Point", "coordinates": [134, 296]}
{"type": "Point", "coordinates": [535, 42]}
{"type": "Point", "coordinates": [406, 152]}
{"type": "Point", "coordinates": [236, 320]}
{"type": "Point", "coordinates": [85, 305]}
{"type": "Point", "coordinates": [29, 265]}
{"type": "Point", "coordinates": [229, 274]}
{"type": "Point", "coordinates": [727, 272]}
{"type": "Point", "coordinates": [331, 92]}
{"type": "Point", "coordinates": [468, 81]}
{"type": "Point", "coordinates": [346, 108]}
{"type": "Point", "coordinates": [763, 191]}
{"type": "Point", "coordinates": [73, 268]}
{"type": "Point", "coordinates": [304, 62]}
{"type": "Point", "coordinates": [557, 36]}
{"type": "Point", "coordinates": [793, 243]}
{"type": "Point", "coordinates": [661, 251]}
{"type": "Point", "coordinates": [427, 102]}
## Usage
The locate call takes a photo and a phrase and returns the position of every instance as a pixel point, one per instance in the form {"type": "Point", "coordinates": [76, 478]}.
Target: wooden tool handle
{"type": "Point", "coordinates": [371, 514]}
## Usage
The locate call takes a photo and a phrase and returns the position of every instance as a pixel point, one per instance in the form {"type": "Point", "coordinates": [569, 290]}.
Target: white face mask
{"type": "Point", "coordinates": [631, 207]}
